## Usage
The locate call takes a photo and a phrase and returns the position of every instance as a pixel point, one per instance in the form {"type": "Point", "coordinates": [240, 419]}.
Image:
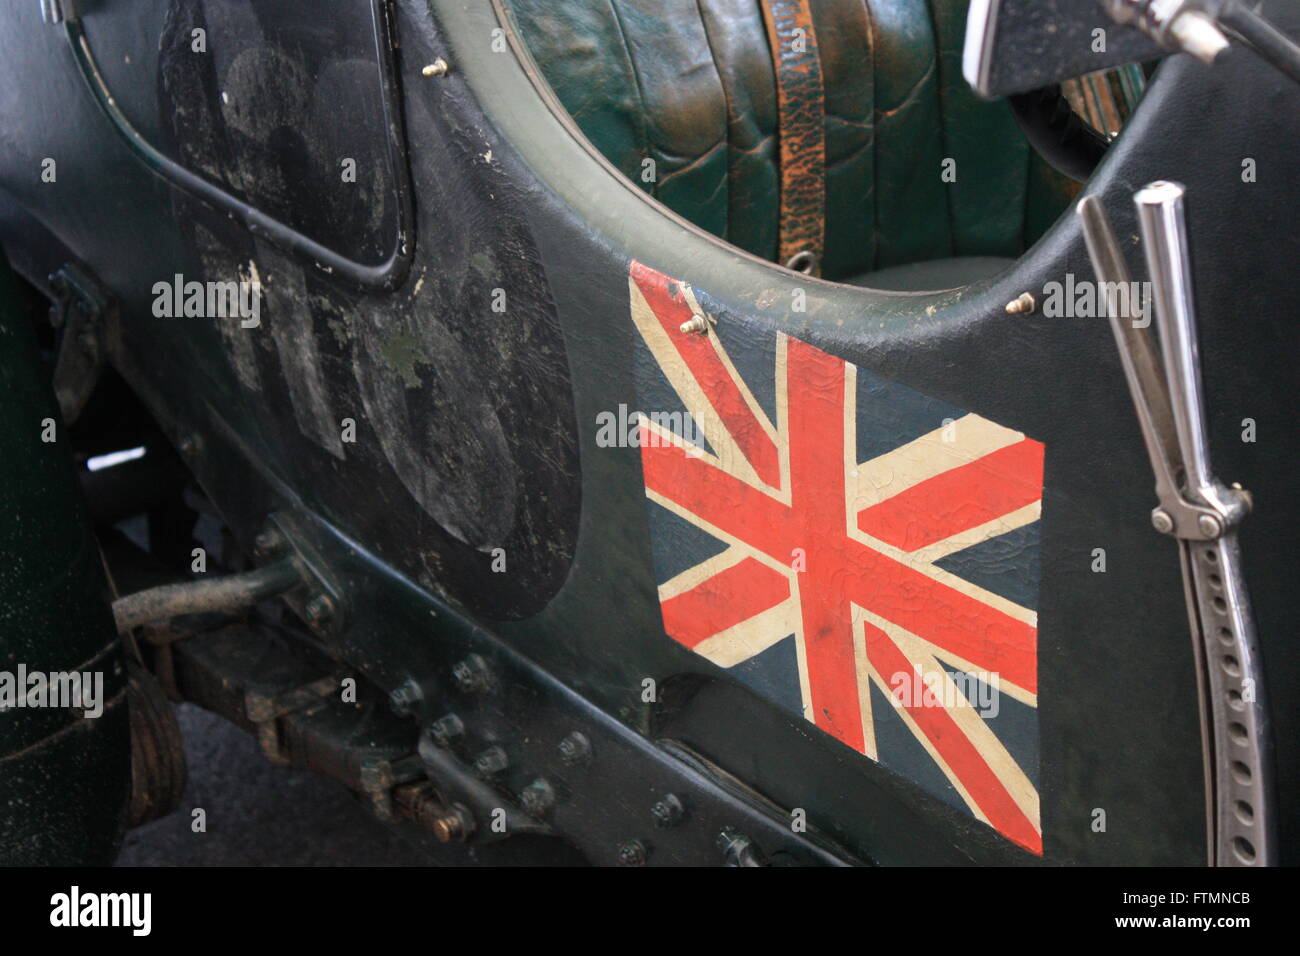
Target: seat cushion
{"type": "Point", "coordinates": [681, 96]}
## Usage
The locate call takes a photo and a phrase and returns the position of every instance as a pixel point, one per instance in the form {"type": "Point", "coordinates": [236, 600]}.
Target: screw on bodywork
{"type": "Point", "coordinates": [1023, 304]}
{"type": "Point", "coordinates": [471, 674]}
{"type": "Point", "coordinates": [537, 798]}
{"type": "Point", "coordinates": [575, 748]}
{"type": "Point", "coordinates": [438, 67]}
{"type": "Point", "coordinates": [668, 811]}
{"type": "Point", "coordinates": [698, 324]}
{"type": "Point", "coordinates": [632, 853]}
{"type": "Point", "coordinates": [491, 762]}
{"type": "Point", "coordinates": [405, 697]}
{"type": "Point", "coordinates": [446, 729]}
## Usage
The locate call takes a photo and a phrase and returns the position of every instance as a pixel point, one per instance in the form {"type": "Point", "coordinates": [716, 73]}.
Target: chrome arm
{"type": "Point", "coordinates": [1203, 515]}
{"type": "Point", "coordinates": [1160, 215]}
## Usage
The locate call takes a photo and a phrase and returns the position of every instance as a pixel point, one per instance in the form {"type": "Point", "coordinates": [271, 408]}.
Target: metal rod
{"type": "Point", "coordinates": [1164, 239]}
{"type": "Point", "coordinates": [1137, 348]}
{"type": "Point", "coordinates": [212, 594]}
{"type": "Point", "coordinates": [1265, 39]}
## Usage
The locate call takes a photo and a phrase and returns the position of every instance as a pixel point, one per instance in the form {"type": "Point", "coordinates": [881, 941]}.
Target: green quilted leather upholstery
{"type": "Point", "coordinates": [689, 84]}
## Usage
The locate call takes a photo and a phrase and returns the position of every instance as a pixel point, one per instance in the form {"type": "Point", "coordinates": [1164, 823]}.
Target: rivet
{"type": "Point", "coordinates": [1161, 521]}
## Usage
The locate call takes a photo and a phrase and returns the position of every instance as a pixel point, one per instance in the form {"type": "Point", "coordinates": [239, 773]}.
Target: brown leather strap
{"type": "Point", "coordinates": [798, 69]}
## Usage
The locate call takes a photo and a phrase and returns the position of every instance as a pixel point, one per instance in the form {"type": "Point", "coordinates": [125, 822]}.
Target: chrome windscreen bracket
{"type": "Point", "coordinates": [1202, 513]}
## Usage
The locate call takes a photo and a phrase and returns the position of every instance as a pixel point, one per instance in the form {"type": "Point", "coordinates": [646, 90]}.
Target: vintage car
{"type": "Point", "coordinates": [694, 432]}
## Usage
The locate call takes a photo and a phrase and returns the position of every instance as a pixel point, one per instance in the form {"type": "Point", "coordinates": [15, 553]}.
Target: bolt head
{"type": "Point", "coordinates": [632, 853]}
{"type": "Point", "coordinates": [575, 748]}
{"type": "Point", "coordinates": [537, 798]}
{"type": "Point", "coordinates": [1161, 521]}
{"type": "Point", "coordinates": [1210, 526]}
{"type": "Point", "coordinates": [668, 811]}
{"type": "Point", "coordinates": [446, 729]}
{"type": "Point", "coordinates": [404, 697]}
{"type": "Point", "coordinates": [491, 762]}
{"type": "Point", "coordinates": [471, 674]}
{"type": "Point", "coordinates": [319, 610]}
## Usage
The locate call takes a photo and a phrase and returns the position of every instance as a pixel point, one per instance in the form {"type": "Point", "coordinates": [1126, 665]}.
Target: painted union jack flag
{"type": "Point", "coordinates": [849, 548]}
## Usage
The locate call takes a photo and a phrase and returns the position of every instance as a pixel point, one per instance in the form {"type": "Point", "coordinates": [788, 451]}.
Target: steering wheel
{"type": "Point", "coordinates": [1060, 135]}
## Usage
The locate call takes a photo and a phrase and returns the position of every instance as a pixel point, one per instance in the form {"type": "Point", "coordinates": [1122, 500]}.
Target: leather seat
{"type": "Point", "coordinates": [689, 85]}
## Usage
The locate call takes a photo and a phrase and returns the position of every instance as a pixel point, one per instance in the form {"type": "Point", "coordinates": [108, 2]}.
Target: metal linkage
{"type": "Point", "coordinates": [1203, 27]}
{"type": "Point", "coordinates": [1179, 25]}
{"type": "Point", "coordinates": [1266, 40]}
{"type": "Point", "coordinates": [1202, 514]}
{"type": "Point", "coordinates": [211, 594]}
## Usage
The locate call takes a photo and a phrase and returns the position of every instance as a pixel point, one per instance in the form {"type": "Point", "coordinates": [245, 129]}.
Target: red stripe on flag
{"type": "Point", "coordinates": [963, 626]}
{"type": "Point", "coordinates": [958, 500]}
{"type": "Point", "coordinates": [957, 750]}
{"type": "Point", "coordinates": [815, 409]}
{"type": "Point", "coordinates": [668, 302]}
{"type": "Point", "coordinates": [713, 496]}
{"type": "Point", "coordinates": [954, 622]}
{"type": "Point", "coordinates": [724, 600]}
